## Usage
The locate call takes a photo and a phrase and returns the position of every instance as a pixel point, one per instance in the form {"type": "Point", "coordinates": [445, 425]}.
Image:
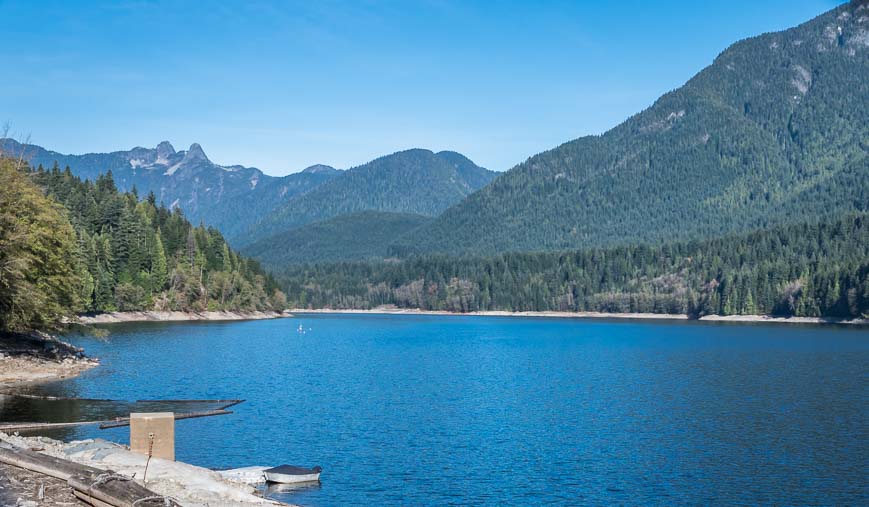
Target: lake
{"type": "Point", "coordinates": [435, 410]}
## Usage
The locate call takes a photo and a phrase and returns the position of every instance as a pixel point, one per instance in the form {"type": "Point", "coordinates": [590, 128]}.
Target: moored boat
{"type": "Point", "coordinates": [288, 474]}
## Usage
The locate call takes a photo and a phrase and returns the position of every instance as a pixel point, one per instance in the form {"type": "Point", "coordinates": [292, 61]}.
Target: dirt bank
{"type": "Point", "coordinates": [115, 317]}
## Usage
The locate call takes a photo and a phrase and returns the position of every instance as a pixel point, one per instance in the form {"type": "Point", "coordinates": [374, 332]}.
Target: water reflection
{"type": "Point", "coordinates": [33, 405]}
{"type": "Point", "coordinates": [297, 493]}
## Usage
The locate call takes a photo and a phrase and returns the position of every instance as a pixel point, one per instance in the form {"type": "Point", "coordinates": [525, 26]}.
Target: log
{"type": "Point", "coordinates": [43, 463]}
{"type": "Point", "coordinates": [125, 421]}
{"type": "Point", "coordinates": [117, 491]}
{"type": "Point", "coordinates": [234, 402]}
{"type": "Point", "coordinates": [8, 428]}
{"type": "Point", "coordinates": [114, 423]}
{"type": "Point", "coordinates": [223, 404]}
{"type": "Point", "coordinates": [90, 500]}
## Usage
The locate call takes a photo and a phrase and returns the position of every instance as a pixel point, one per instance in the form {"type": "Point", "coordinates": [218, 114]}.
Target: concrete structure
{"type": "Point", "coordinates": [154, 431]}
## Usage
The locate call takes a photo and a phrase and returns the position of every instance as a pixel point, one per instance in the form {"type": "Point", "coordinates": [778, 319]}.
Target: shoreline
{"type": "Point", "coordinates": [39, 357]}
{"type": "Point", "coordinates": [155, 316]}
{"type": "Point", "coordinates": [594, 315]}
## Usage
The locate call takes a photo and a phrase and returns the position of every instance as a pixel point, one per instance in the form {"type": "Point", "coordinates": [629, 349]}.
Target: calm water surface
{"type": "Point", "coordinates": [421, 410]}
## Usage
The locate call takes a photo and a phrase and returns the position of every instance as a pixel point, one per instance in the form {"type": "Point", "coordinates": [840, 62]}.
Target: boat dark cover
{"type": "Point", "coordinates": [293, 470]}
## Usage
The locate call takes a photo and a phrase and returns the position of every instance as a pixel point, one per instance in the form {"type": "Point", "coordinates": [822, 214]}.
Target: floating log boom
{"type": "Point", "coordinates": [125, 421]}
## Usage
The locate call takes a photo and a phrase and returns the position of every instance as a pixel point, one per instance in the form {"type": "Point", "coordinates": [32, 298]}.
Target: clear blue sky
{"type": "Point", "coordinates": [281, 85]}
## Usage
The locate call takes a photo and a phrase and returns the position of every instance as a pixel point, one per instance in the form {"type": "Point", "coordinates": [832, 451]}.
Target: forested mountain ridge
{"type": "Point", "coordinates": [807, 270]}
{"type": "Point", "coordinates": [231, 198]}
{"type": "Point", "coordinates": [775, 130]}
{"type": "Point", "coordinates": [364, 235]}
{"type": "Point", "coordinates": [415, 181]}
{"type": "Point", "coordinates": [70, 245]}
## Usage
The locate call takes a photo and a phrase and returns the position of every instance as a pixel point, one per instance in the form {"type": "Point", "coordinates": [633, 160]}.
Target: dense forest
{"type": "Point", "coordinates": [354, 237]}
{"type": "Point", "coordinates": [813, 269]}
{"type": "Point", "coordinates": [774, 131]}
{"type": "Point", "coordinates": [71, 246]}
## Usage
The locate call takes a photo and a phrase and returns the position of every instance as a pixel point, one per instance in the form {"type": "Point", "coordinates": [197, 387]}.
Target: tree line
{"type": "Point", "coordinates": [818, 269]}
{"type": "Point", "coordinates": [71, 246]}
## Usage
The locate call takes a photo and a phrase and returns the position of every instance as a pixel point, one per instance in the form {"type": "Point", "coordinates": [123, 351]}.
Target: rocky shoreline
{"type": "Point", "coordinates": [389, 310]}
{"type": "Point", "coordinates": [154, 316]}
{"type": "Point", "coordinates": [36, 357]}
{"type": "Point", "coordinates": [187, 484]}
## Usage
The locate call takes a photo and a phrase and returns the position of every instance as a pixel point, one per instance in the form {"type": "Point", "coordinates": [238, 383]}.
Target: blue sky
{"type": "Point", "coordinates": [284, 85]}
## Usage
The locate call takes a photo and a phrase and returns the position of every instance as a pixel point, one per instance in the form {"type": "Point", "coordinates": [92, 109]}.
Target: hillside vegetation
{"type": "Point", "coordinates": [354, 237]}
{"type": "Point", "coordinates": [71, 246]}
{"type": "Point", "coordinates": [811, 270]}
{"type": "Point", "coordinates": [775, 131]}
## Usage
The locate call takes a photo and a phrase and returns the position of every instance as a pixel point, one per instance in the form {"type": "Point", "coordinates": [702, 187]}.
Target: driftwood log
{"type": "Point", "coordinates": [99, 488]}
{"type": "Point", "coordinates": [42, 463]}
{"type": "Point", "coordinates": [116, 491]}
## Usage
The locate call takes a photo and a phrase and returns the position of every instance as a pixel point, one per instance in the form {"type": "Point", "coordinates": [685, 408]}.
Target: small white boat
{"type": "Point", "coordinates": [288, 474]}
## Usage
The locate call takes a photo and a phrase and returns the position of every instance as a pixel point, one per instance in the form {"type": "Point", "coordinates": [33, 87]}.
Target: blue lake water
{"type": "Point", "coordinates": [433, 410]}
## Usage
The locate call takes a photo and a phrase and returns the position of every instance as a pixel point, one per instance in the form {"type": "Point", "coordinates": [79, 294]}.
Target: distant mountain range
{"type": "Point", "coordinates": [248, 205]}
{"type": "Point", "coordinates": [775, 130]}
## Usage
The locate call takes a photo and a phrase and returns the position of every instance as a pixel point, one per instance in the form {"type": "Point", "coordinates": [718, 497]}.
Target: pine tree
{"type": "Point", "coordinates": [159, 266]}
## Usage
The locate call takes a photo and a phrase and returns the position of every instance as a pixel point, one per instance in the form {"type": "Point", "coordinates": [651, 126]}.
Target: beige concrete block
{"type": "Point", "coordinates": [159, 426]}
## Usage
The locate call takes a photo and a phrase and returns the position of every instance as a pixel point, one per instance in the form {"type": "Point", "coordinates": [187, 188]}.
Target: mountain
{"type": "Point", "coordinates": [353, 237]}
{"type": "Point", "coordinates": [414, 181]}
{"type": "Point", "coordinates": [231, 198]}
{"type": "Point", "coordinates": [775, 130]}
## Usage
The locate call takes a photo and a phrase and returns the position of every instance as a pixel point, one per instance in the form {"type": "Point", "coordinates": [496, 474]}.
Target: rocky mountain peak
{"type": "Point", "coordinates": [165, 150]}
{"type": "Point", "coordinates": [195, 153]}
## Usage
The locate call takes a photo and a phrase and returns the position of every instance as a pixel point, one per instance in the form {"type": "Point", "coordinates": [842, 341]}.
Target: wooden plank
{"type": "Point", "coordinates": [117, 491]}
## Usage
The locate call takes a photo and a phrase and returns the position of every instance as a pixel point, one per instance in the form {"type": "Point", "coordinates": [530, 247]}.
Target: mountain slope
{"type": "Point", "coordinates": [354, 237]}
{"type": "Point", "coordinates": [413, 181]}
{"type": "Point", "coordinates": [776, 129]}
{"type": "Point", "coordinates": [231, 198]}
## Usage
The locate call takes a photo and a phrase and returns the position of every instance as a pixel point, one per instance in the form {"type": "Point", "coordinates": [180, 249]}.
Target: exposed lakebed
{"type": "Point", "coordinates": [407, 409]}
